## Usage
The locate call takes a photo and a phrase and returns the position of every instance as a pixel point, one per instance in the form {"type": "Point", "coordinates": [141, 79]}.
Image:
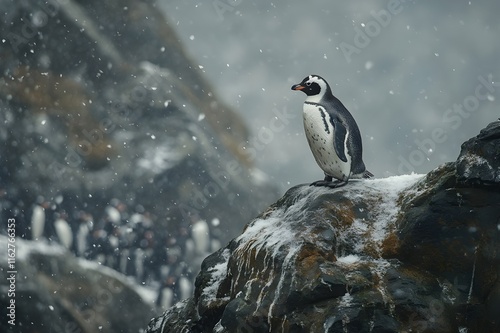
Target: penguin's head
{"type": "Point", "coordinates": [312, 85]}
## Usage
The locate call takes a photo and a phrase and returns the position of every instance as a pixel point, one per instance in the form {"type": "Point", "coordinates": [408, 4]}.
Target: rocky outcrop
{"type": "Point", "coordinates": [413, 253]}
{"type": "Point", "coordinates": [56, 292]}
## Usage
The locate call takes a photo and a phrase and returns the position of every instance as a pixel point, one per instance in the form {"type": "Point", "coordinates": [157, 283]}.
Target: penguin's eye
{"type": "Point", "coordinates": [308, 84]}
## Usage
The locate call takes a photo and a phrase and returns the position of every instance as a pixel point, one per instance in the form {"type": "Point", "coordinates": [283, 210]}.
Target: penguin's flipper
{"type": "Point", "coordinates": [340, 138]}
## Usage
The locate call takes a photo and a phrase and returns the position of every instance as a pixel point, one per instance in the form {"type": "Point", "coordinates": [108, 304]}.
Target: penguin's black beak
{"type": "Point", "coordinates": [297, 87]}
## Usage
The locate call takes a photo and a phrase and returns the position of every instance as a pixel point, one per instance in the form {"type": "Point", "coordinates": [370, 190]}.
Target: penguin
{"type": "Point", "coordinates": [37, 222]}
{"type": "Point", "coordinates": [113, 215]}
{"type": "Point", "coordinates": [124, 259]}
{"type": "Point", "coordinates": [138, 257]}
{"type": "Point", "coordinates": [165, 298]}
{"type": "Point", "coordinates": [82, 234]}
{"type": "Point", "coordinates": [332, 134]}
{"type": "Point", "coordinates": [215, 245]}
{"type": "Point", "coordinates": [201, 237]}
{"type": "Point", "coordinates": [63, 231]}
{"type": "Point", "coordinates": [185, 287]}
{"type": "Point", "coordinates": [189, 250]}
{"type": "Point", "coordinates": [166, 292]}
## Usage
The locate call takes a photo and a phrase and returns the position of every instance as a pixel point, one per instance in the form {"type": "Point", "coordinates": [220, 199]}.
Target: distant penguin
{"type": "Point", "coordinates": [82, 235]}
{"type": "Point", "coordinates": [37, 222]}
{"type": "Point", "coordinates": [82, 238]}
{"type": "Point", "coordinates": [139, 264]}
{"type": "Point", "coordinates": [185, 287]}
{"type": "Point", "coordinates": [135, 219]}
{"type": "Point", "coordinates": [201, 237]}
{"type": "Point", "coordinates": [113, 215]}
{"type": "Point", "coordinates": [189, 250]}
{"type": "Point", "coordinates": [112, 258]}
{"type": "Point", "coordinates": [215, 245]}
{"type": "Point", "coordinates": [165, 298]}
{"type": "Point", "coordinates": [167, 293]}
{"type": "Point", "coordinates": [63, 231]}
{"type": "Point", "coordinates": [332, 134]}
{"type": "Point", "coordinates": [124, 261]}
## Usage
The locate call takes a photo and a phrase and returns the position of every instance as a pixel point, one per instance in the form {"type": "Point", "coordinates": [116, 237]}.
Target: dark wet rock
{"type": "Point", "coordinates": [414, 253]}
{"type": "Point", "coordinates": [479, 161]}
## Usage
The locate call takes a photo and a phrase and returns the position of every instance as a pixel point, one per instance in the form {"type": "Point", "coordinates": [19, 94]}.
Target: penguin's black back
{"type": "Point", "coordinates": [354, 142]}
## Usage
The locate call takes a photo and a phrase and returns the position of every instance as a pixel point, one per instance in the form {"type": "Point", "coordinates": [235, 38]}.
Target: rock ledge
{"type": "Point", "coordinates": [409, 253]}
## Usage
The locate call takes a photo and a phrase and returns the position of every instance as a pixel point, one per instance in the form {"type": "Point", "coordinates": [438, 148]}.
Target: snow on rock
{"type": "Point", "coordinates": [385, 192]}
{"type": "Point", "coordinates": [276, 229]}
{"type": "Point", "coordinates": [479, 160]}
{"type": "Point", "coordinates": [63, 289]}
{"type": "Point", "coordinates": [348, 260]}
{"type": "Point", "coordinates": [25, 248]}
{"type": "Point", "coordinates": [281, 249]}
{"type": "Point", "coordinates": [472, 161]}
{"type": "Point", "coordinates": [148, 295]}
{"type": "Point", "coordinates": [218, 273]}
{"type": "Point", "coordinates": [398, 254]}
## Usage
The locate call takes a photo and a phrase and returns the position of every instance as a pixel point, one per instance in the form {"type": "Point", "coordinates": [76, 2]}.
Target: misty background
{"type": "Point", "coordinates": [398, 66]}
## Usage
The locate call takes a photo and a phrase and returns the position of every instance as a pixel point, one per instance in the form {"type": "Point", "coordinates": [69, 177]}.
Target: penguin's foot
{"type": "Point", "coordinates": [320, 183]}
{"type": "Point", "coordinates": [329, 183]}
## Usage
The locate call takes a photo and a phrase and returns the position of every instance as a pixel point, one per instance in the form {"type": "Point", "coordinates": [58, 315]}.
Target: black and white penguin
{"type": "Point", "coordinates": [200, 233]}
{"type": "Point", "coordinates": [83, 231]}
{"type": "Point", "coordinates": [332, 134]}
{"type": "Point", "coordinates": [63, 231]}
{"type": "Point", "coordinates": [37, 221]}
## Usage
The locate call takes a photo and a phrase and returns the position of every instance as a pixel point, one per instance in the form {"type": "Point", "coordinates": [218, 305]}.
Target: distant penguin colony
{"type": "Point", "coordinates": [332, 134]}
{"type": "Point", "coordinates": [125, 239]}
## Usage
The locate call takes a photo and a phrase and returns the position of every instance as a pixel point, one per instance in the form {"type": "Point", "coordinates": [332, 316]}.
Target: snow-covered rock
{"type": "Point", "coordinates": [479, 160]}
{"type": "Point", "coordinates": [411, 253]}
{"type": "Point", "coordinates": [57, 292]}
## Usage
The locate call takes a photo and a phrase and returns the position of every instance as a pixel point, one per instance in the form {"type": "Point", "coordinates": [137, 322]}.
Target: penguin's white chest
{"type": "Point", "coordinates": [320, 135]}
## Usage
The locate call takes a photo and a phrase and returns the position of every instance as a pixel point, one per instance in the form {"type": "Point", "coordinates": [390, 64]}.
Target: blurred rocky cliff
{"type": "Point", "coordinates": [99, 101]}
{"type": "Point", "coordinates": [54, 292]}
{"type": "Point", "coordinates": [114, 145]}
{"type": "Point", "coordinates": [414, 253]}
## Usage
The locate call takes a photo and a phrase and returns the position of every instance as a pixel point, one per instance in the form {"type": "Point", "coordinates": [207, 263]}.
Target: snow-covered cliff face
{"type": "Point", "coordinates": [413, 253]}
